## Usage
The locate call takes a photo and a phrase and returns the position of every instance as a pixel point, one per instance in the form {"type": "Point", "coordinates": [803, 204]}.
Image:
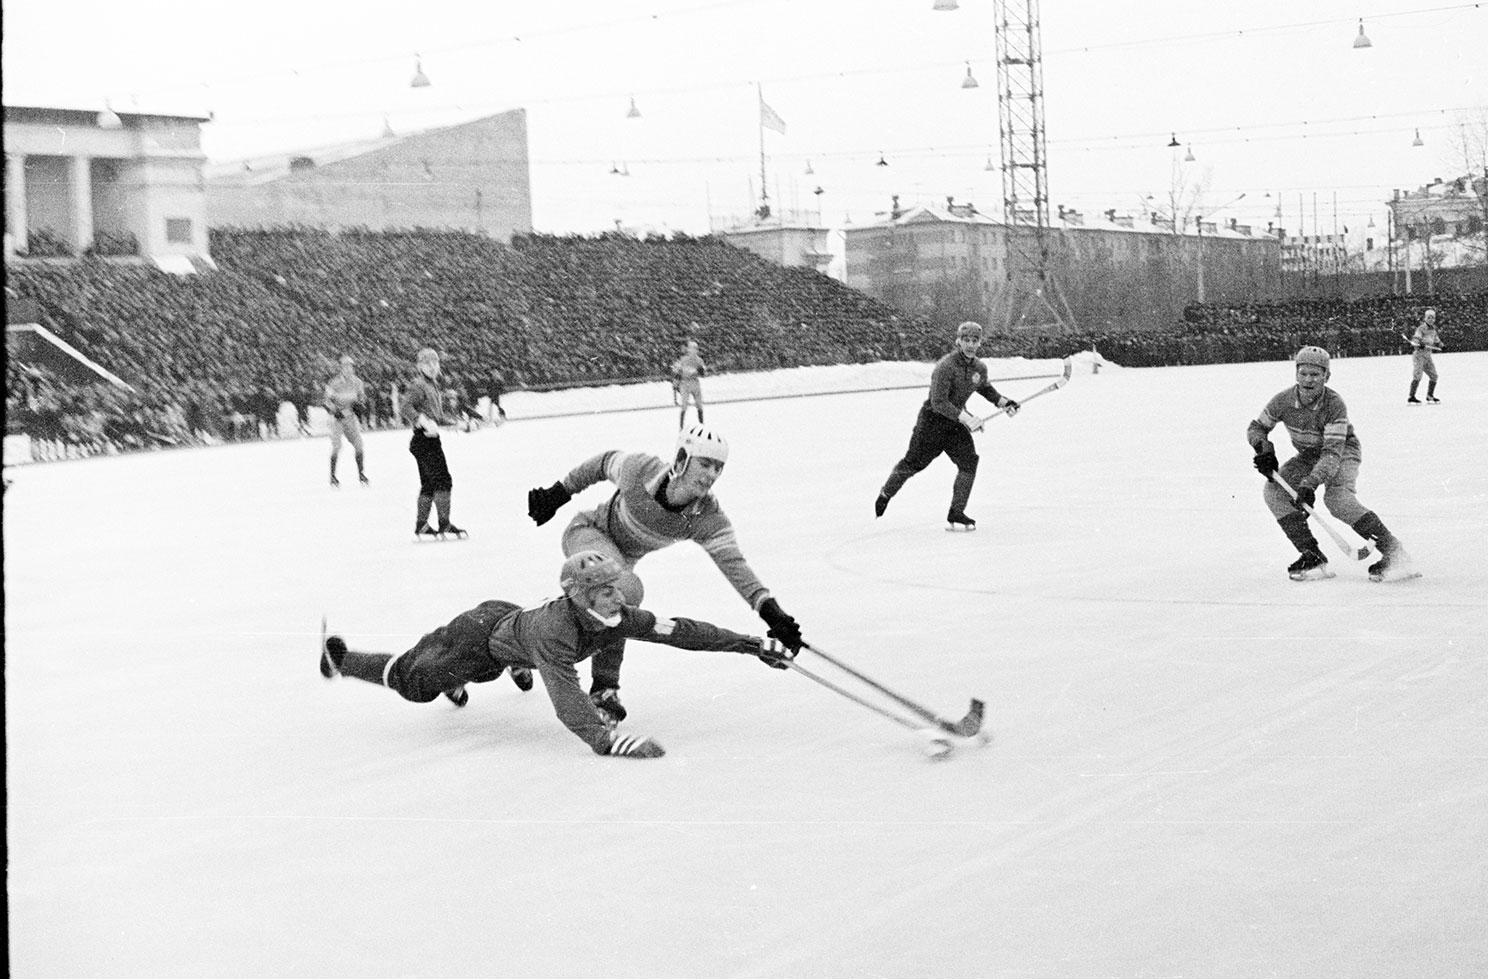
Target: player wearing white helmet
{"type": "Point", "coordinates": [656, 503]}
{"type": "Point", "coordinates": [478, 645]}
{"type": "Point", "coordinates": [1328, 455]}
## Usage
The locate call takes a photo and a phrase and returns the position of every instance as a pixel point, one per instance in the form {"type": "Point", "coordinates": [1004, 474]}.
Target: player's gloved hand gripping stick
{"type": "Point", "coordinates": [1357, 553]}
{"type": "Point", "coordinates": [1012, 408]}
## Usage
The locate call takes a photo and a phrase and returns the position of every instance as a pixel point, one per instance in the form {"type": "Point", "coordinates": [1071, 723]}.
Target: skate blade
{"type": "Point", "coordinates": [1313, 575]}
{"type": "Point", "coordinates": [1394, 576]}
{"type": "Point", "coordinates": [956, 528]}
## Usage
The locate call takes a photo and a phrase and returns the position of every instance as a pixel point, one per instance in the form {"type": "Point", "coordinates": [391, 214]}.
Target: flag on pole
{"type": "Point", "coordinates": [770, 119]}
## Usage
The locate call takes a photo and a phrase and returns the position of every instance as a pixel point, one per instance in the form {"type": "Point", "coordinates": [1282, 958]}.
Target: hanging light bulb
{"type": "Point", "coordinates": [1361, 41]}
{"type": "Point", "coordinates": [990, 165]}
{"type": "Point", "coordinates": [420, 80]}
{"type": "Point", "coordinates": [1188, 157]}
{"type": "Point", "coordinates": [387, 129]}
{"type": "Point", "coordinates": [109, 119]}
{"type": "Point", "coordinates": [1418, 141]}
{"type": "Point", "coordinates": [633, 113]}
{"type": "Point", "coordinates": [969, 81]}
{"type": "Point", "coordinates": [1173, 143]}
{"type": "Point", "coordinates": [881, 161]}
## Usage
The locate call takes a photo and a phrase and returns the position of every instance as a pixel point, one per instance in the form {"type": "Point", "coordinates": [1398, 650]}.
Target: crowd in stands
{"type": "Point", "coordinates": [215, 356]}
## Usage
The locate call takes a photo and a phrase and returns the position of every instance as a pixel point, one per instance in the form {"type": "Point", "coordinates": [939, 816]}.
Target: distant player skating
{"type": "Point", "coordinates": [345, 393]}
{"type": "Point", "coordinates": [478, 645]}
{"type": "Point", "coordinates": [687, 382]}
{"type": "Point", "coordinates": [655, 505]}
{"type": "Point", "coordinates": [1424, 342]}
{"type": "Point", "coordinates": [944, 425]}
{"type": "Point", "coordinates": [1328, 455]}
{"type": "Point", "coordinates": [423, 408]}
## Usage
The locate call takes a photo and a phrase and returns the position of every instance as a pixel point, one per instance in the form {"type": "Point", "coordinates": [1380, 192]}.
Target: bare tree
{"type": "Point", "coordinates": [1472, 143]}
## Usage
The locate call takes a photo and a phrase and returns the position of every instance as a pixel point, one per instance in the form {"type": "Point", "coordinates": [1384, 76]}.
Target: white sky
{"type": "Point", "coordinates": [1270, 95]}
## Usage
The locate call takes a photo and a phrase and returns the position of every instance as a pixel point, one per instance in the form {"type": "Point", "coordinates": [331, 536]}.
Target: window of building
{"type": "Point", "coordinates": [178, 231]}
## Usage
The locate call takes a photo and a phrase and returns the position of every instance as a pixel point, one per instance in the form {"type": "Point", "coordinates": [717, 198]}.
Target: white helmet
{"type": "Point", "coordinates": [698, 441]}
{"type": "Point", "coordinates": [586, 570]}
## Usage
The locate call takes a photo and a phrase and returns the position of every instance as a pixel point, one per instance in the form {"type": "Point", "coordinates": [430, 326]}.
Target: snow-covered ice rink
{"type": "Point", "coordinates": [1199, 767]}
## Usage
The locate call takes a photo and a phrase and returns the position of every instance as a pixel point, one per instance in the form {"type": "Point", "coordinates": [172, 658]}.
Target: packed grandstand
{"type": "Point", "coordinates": [213, 357]}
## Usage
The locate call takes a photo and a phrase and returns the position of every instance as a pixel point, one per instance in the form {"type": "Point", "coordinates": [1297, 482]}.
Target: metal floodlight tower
{"type": "Point", "coordinates": [1025, 172]}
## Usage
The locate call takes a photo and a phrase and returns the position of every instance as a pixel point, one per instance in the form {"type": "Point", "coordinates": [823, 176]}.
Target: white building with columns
{"type": "Point", "coordinates": [75, 181]}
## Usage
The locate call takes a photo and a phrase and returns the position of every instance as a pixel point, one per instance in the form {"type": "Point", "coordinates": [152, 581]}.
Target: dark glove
{"type": "Point", "coordinates": [1010, 406]}
{"type": "Point", "coordinates": [782, 626]}
{"type": "Point", "coordinates": [774, 655]}
{"type": "Point", "coordinates": [1265, 461]}
{"type": "Point", "coordinates": [1306, 496]}
{"type": "Point", "coordinates": [543, 503]}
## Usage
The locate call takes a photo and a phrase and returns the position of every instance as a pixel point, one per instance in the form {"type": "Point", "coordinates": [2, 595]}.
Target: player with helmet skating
{"type": "Point", "coordinates": [944, 425]}
{"type": "Point", "coordinates": [1328, 455]}
{"type": "Point", "coordinates": [478, 645]}
{"type": "Point", "coordinates": [687, 382]}
{"type": "Point", "coordinates": [344, 393]}
{"type": "Point", "coordinates": [423, 407]}
{"type": "Point", "coordinates": [655, 504]}
{"type": "Point", "coordinates": [1424, 342]}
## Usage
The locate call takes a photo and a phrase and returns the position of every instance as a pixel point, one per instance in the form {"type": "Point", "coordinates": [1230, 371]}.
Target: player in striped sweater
{"type": "Point", "coordinates": [654, 505]}
{"type": "Point", "coordinates": [1328, 455]}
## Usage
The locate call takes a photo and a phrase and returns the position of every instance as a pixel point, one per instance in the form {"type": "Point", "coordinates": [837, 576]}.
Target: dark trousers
{"type": "Point", "coordinates": [934, 434]}
{"type": "Point", "coordinates": [434, 474]}
{"type": "Point", "coordinates": [450, 656]}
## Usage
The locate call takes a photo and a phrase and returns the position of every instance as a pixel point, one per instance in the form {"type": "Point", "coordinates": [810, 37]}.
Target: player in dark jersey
{"type": "Point", "coordinates": [944, 425]}
{"type": "Point", "coordinates": [423, 408]}
{"type": "Point", "coordinates": [478, 645]}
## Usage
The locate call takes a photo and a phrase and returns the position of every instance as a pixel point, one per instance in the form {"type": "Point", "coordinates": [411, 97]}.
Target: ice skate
{"type": "Point", "coordinates": [1311, 566]}
{"type": "Point", "coordinates": [458, 696]}
{"type": "Point", "coordinates": [958, 520]}
{"type": "Point", "coordinates": [424, 532]}
{"type": "Point", "coordinates": [362, 478]}
{"type": "Point", "coordinates": [331, 653]}
{"type": "Point", "coordinates": [448, 529]}
{"type": "Point", "coordinates": [880, 505]}
{"type": "Point", "coordinates": [1432, 399]}
{"type": "Point", "coordinates": [607, 702]}
{"type": "Point", "coordinates": [335, 482]}
{"type": "Point", "coordinates": [1413, 400]}
{"type": "Point", "coordinates": [1395, 564]}
{"type": "Point", "coordinates": [522, 677]}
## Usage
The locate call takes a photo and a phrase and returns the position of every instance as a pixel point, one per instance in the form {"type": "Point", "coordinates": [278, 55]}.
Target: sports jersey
{"type": "Point", "coordinates": [555, 636]}
{"type": "Point", "coordinates": [955, 379]}
{"type": "Point", "coordinates": [343, 392]}
{"type": "Point", "coordinates": [422, 398]}
{"type": "Point", "coordinates": [1321, 432]}
{"type": "Point", "coordinates": [689, 367]}
{"type": "Point", "coordinates": [638, 523]}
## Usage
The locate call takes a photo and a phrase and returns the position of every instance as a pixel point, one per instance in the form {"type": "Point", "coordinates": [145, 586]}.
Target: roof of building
{"type": "Point", "coordinates": [268, 167]}
{"type": "Point", "coordinates": [89, 107]}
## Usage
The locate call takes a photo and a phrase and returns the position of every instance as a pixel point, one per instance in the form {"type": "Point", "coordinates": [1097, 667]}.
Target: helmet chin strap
{"type": "Point", "coordinates": [609, 621]}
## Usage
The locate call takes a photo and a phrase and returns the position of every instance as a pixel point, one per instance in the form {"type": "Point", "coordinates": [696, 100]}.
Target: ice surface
{"type": "Point", "coordinates": [1199, 768]}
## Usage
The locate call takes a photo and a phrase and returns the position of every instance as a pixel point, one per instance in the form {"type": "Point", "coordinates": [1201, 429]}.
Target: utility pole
{"type": "Point", "coordinates": [1034, 298]}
